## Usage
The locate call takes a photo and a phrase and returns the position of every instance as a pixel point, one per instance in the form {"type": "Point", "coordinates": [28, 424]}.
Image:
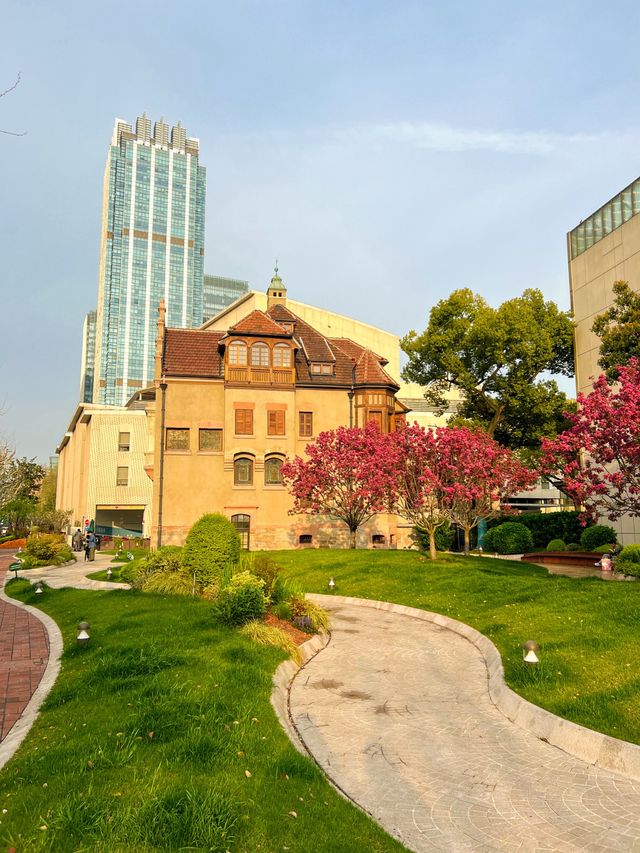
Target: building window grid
{"type": "Point", "coordinates": [124, 442]}
{"type": "Point", "coordinates": [244, 421]}
{"type": "Point", "coordinates": [122, 476]}
{"type": "Point", "coordinates": [605, 220]}
{"type": "Point", "coordinates": [272, 473]}
{"type": "Point", "coordinates": [305, 424]}
{"type": "Point", "coordinates": [243, 471]}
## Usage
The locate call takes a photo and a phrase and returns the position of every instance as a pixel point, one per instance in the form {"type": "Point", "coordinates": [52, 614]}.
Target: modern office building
{"type": "Point", "coordinates": [152, 248]}
{"type": "Point", "coordinates": [218, 292]}
{"type": "Point", "coordinates": [603, 248]}
{"type": "Point", "coordinates": [87, 368]}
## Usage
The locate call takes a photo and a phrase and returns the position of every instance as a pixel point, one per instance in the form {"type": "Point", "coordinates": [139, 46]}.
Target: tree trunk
{"type": "Point", "coordinates": [467, 540]}
{"type": "Point", "coordinates": [432, 544]}
{"type": "Point", "coordinates": [352, 538]}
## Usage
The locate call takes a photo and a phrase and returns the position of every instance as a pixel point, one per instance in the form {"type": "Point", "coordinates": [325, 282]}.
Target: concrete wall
{"type": "Point", "coordinates": [614, 258]}
{"type": "Point", "coordinates": [89, 459]}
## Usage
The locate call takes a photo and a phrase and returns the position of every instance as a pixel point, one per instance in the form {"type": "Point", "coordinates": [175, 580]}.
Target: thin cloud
{"type": "Point", "coordinates": [443, 137]}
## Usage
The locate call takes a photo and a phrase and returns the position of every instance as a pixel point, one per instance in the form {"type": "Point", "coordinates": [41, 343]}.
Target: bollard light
{"type": "Point", "coordinates": [109, 573]}
{"type": "Point", "coordinates": [83, 632]}
{"type": "Point", "coordinates": [39, 589]}
{"type": "Point", "coordinates": [332, 584]}
{"type": "Point", "coordinates": [530, 652]}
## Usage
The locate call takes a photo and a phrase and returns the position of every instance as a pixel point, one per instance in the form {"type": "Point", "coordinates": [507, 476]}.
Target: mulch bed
{"type": "Point", "coordinates": [299, 637]}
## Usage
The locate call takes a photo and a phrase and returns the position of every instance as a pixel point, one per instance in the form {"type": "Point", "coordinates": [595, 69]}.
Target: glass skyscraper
{"type": "Point", "coordinates": [152, 248]}
{"type": "Point", "coordinates": [218, 292]}
{"type": "Point", "coordinates": [87, 369]}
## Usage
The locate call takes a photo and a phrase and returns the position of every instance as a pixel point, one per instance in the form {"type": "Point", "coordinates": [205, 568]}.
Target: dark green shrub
{"type": "Point", "coordinates": [46, 549]}
{"type": "Point", "coordinates": [265, 567]}
{"type": "Point", "coordinates": [627, 567]}
{"type": "Point", "coordinates": [511, 538]}
{"type": "Point", "coordinates": [212, 544]}
{"type": "Point", "coordinates": [165, 560]}
{"type": "Point", "coordinates": [488, 544]}
{"type": "Point", "coordinates": [444, 537]}
{"type": "Point", "coordinates": [598, 534]}
{"type": "Point", "coordinates": [573, 546]}
{"type": "Point", "coordinates": [302, 608]}
{"type": "Point", "coordinates": [556, 545]}
{"type": "Point", "coordinates": [282, 610]}
{"type": "Point", "coordinates": [241, 601]}
{"type": "Point", "coordinates": [630, 552]}
{"type": "Point", "coordinates": [603, 549]}
{"type": "Point", "coordinates": [545, 526]}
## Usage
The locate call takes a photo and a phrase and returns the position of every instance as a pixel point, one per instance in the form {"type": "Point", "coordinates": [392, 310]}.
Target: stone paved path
{"type": "Point", "coordinates": [24, 652]}
{"type": "Point", "coordinates": [397, 713]}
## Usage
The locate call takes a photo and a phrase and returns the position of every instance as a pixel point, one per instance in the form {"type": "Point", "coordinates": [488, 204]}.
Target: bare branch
{"type": "Point", "coordinates": [6, 92]}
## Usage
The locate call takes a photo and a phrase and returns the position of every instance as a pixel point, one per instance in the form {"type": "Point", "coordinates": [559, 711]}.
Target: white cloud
{"type": "Point", "coordinates": [443, 137]}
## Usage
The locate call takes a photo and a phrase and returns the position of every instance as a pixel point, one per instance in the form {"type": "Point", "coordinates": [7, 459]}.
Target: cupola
{"type": "Point", "coordinates": [276, 292]}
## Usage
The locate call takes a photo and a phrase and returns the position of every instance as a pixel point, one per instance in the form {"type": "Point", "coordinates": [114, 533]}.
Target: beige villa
{"type": "Point", "coordinates": [232, 403]}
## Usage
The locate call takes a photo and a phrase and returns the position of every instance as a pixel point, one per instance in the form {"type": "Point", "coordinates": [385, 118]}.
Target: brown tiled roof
{"type": "Point", "coordinates": [258, 323]}
{"type": "Point", "coordinates": [353, 349]}
{"type": "Point", "coordinates": [192, 352]}
{"type": "Point", "coordinates": [315, 345]}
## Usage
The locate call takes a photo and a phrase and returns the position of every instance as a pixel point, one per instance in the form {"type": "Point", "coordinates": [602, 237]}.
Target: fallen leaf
{"type": "Point", "coordinates": [293, 814]}
{"type": "Point", "coordinates": [247, 773]}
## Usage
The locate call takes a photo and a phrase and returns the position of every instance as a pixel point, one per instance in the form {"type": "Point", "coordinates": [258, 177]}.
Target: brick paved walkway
{"type": "Point", "coordinates": [397, 713]}
{"type": "Point", "coordinates": [24, 652]}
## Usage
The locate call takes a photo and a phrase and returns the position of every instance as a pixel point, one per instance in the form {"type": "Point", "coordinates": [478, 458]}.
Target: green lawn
{"type": "Point", "coordinates": [587, 629]}
{"type": "Point", "coordinates": [159, 735]}
{"type": "Point", "coordinates": [116, 570]}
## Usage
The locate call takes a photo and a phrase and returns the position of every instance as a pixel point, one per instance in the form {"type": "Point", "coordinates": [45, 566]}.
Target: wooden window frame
{"type": "Point", "coordinates": [268, 463]}
{"type": "Point", "coordinates": [280, 350]}
{"type": "Point", "coordinates": [244, 421]}
{"type": "Point", "coordinates": [236, 462]}
{"type": "Point", "coordinates": [236, 347]}
{"type": "Point", "coordinates": [276, 422]}
{"type": "Point", "coordinates": [259, 347]}
{"type": "Point", "coordinates": [305, 424]}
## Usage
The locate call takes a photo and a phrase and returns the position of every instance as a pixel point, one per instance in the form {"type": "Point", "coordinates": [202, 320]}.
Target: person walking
{"type": "Point", "coordinates": [77, 540]}
{"type": "Point", "coordinates": [86, 547]}
{"type": "Point", "coordinates": [91, 544]}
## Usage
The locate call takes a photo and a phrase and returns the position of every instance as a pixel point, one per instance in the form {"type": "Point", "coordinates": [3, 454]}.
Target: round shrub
{"type": "Point", "coordinates": [556, 545]}
{"type": "Point", "coordinates": [212, 545]}
{"type": "Point", "coordinates": [241, 601]}
{"type": "Point", "coordinates": [510, 538]}
{"type": "Point", "coordinates": [598, 534]}
{"type": "Point", "coordinates": [631, 553]}
{"type": "Point", "coordinates": [627, 567]}
{"type": "Point", "coordinates": [603, 549]}
{"type": "Point", "coordinates": [167, 559]}
{"type": "Point", "coordinates": [573, 546]}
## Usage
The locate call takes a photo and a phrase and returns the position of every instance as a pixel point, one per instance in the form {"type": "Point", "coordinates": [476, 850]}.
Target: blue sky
{"type": "Point", "coordinates": [386, 152]}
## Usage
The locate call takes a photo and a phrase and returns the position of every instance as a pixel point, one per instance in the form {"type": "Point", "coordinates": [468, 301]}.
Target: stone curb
{"type": "Point", "coordinates": [590, 746]}
{"type": "Point", "coordinates": [282, 679]}
{"type": "Point", "coordinates": [21, 727]}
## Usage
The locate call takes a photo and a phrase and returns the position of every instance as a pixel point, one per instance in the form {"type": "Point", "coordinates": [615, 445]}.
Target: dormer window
{"type": "Point", "coordinates": [326, 369]}
{"type": "Point", "coordinates": [286, 325]}
{"type": "Point", "coordinates": [281, 355]}
{"type": "Point", "coordinates": [238, 354]}
{"type": "Point", "coordinates": [260, 355]}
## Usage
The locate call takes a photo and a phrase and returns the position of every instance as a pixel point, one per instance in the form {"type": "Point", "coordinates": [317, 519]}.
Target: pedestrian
{"type": "Point", "coordinates": [91, 543]}
{"type": "Point", "coordinates": [86, 547]}
{"type": "Point", "coordinates": [77, 540]}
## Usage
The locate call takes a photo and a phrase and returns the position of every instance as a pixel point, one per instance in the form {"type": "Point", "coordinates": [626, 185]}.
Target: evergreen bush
{"type": "Point", "coordinates": [510, 538]}
{"type": "Point", "coordinates": [212, 545]}
{"type": "Point", "coordinates": [242, 600]}
{"type": "Point", "coordinates": [597, 534]}
{"type": "Point", "coordinates": [628, 561]}
{"type": "Point", "coordinates": [545, 526]}
{"type": "Point", "coordinates": [556, 545]}
{"type": "Point", "coordinates": [573, 546]}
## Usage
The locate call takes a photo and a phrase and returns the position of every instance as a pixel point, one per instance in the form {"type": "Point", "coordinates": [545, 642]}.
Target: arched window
{"type": "Point", "coordinates": [243, 471]}
{"type": "Point", "coordinates": [272, 475]}
{"type": "Point", "coordinates": [242, 524]}
{"type": "Point", "coordinates": [260, 355]}
{"type": "Point", "coordinates": [281, 355]}
{"type": "Point", "coordinates": [238, 353]}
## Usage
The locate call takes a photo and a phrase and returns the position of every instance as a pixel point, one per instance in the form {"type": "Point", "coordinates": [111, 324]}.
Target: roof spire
{"type": "Point", "coordinates": [275, 269]}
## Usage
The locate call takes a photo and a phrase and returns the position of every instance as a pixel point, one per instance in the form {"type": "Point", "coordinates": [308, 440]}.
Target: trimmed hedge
{"type": "Point", "coordinates": [628, 560]}
{"type": "Point", "coordinates": [508, 538]}
{"type": "Point", "coordinates": [598, 534]}
{"type": "Point", "coordinates": [556, 545]}
{"type": "Point", "coordinates": [212, 545]}
{"type": "Point", "coordinates": [545, 526]}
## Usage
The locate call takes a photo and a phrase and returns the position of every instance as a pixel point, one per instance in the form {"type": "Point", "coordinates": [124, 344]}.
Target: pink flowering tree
{"type": "Point", "coordinates": [599, 455]}
{"type": "Point", "coordinates": [453, 474]}
{"type": "Point", "coordinates": [415, 459]}
{"type": "Point", "coordinates": [482, 476]}
{"type": "Point", "coordinates": [346, 475]}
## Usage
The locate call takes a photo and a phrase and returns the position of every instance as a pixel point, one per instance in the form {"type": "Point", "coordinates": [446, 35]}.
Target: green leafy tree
{"type": "Point", "coordinates": [29, 476]}
{"type": "Point", "coordinates": [619, 330]}
{"type": "Point", "coordinates": [7, 474]}
{"type": "Point", "coordinates": [18, 514]}
{"type": "Point", "coordinates": [496, 359]}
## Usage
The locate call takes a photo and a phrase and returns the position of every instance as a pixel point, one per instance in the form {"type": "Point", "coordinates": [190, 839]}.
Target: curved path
{"type": "Point", "coordinates": [397, 713]}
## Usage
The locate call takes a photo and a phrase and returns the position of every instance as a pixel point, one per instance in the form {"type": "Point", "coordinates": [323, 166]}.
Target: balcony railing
{"type": "Point", "coordinates": [260, 375]}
